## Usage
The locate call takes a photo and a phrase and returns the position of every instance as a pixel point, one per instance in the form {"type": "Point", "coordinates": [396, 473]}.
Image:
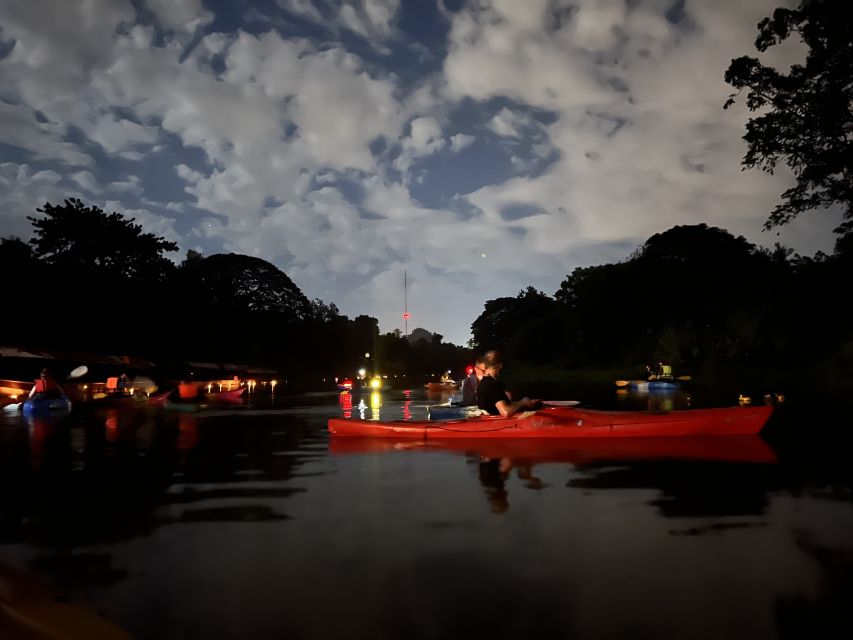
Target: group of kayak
{"type": "Point", "coordinates": [47, 399]}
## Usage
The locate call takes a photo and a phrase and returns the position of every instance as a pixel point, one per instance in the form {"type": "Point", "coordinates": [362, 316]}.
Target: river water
{"type": "Point", "coordinates": [239, 523]}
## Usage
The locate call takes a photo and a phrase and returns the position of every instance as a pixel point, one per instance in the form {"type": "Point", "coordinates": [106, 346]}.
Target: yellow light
{"type": "Point", "coordinates": [275, 382]}
{"type": "Point", "coordinates": [376, 383]}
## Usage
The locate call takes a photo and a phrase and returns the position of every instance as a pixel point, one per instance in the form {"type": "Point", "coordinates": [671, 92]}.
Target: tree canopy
{"type": "Point", "coordinates": [76, 237]}
{"type": "Point", "coordinates": [502, 318]}
{"type": "Point", "coordinates": [805, 117]}
{"type": "Point", "coordinates": [234, 282]}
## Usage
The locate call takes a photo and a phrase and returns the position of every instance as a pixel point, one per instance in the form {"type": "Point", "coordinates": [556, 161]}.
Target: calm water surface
{"type": "Point", "coordinates": [251, 524]}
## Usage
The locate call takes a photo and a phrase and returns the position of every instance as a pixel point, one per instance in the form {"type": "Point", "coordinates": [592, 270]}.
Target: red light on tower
{"type": "Point", "coordinates": [406, 316]}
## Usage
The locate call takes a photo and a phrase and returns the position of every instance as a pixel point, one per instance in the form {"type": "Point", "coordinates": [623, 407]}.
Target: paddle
{"type": "Point", "coordinates": [561, 403]}
{"type": "Point", "coordinates": [78, 372]}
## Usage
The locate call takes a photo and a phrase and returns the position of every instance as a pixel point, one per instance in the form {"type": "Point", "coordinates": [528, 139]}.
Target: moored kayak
{"type": "Point", "coordinates": [568, 422]}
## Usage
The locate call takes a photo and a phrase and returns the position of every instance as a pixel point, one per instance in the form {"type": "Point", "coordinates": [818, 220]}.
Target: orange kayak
{"type": "Point", "coordinates": [568, 422]}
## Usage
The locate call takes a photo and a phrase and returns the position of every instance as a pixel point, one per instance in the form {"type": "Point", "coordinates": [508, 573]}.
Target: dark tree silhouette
{"type": "Point", "coordinates": [241, 283]}
{"type": "Point", "coordinates": [806, 116]}
{"type": "Point", "coordinates": [103, 273]}
{"type": "Point", "coordinates": [502, 318]}
{"type": "Point", "coordinates": [78, 238]}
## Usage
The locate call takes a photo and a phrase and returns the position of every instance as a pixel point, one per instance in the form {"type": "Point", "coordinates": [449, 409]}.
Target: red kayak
{"type": "Point", "coordinates": [568, 422]}
{"type": "Point", "coordinates": [230, 396]}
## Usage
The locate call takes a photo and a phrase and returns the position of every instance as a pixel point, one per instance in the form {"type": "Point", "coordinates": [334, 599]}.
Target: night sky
{"type": "Point", "coordinates": [483, 146]}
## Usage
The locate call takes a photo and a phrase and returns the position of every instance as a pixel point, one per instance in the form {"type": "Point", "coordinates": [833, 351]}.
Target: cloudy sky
{"type": "Point", "coordinates": [480, 145]}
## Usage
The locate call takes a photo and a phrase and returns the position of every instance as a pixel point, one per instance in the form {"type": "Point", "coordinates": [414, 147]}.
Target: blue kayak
{"type": "Point", "coordinates": [43, 407]}
{"type": "Point", "coordinates": [653, 385]}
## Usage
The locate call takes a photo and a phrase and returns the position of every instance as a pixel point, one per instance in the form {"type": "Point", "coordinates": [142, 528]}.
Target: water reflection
{"type": "Point", "coordinates": [345, 401]}
{"type": "Point", "coordinates": [233, 526]}
{"type": "Point", "coordinates": [407, 404]}
{"type": "Point", "coordinates": [694, 475]}
{"type": "Point", "coordinates": [375, 405]}
{"type": "Point", "coordinates": [112, 474]}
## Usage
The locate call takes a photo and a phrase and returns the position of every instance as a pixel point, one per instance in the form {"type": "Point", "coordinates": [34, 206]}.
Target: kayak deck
{"type": "Point", "coordinates": [568, 422]}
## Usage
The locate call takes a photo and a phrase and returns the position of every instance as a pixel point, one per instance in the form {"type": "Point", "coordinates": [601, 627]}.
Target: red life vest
{"type": "Point", "coordinates": [46, 384]}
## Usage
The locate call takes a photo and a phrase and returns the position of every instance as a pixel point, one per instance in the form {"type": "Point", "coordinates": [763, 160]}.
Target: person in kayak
{"type": "Point", "coordinates": [46, 387]}
{"type": "Point", "coordinates": [469, 385]}
{"type": "Point", "coordinates": [491, 393]}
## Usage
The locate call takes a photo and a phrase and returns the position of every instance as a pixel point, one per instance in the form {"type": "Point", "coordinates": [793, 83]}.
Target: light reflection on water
{"type": "Point", "coordinates": [236, 524]}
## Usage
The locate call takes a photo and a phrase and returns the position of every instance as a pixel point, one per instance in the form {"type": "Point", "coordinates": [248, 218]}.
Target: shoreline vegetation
{"type": "Point", "coordinates": [697, 297]}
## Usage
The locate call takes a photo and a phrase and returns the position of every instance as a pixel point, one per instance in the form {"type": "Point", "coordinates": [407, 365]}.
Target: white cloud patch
{"type": "Point", "coordinates": [86, 180]}
{"type": "Point", "coordinates": [131, 185]}
{"type": "Point", "coordinates": [509, 123]}
{"type": "Point", "coordinates": [116, 135]}
{"type": "Point", "coordinates": [20, 128]}
{"type": "Point", "coordinates": [23, 190]}
{"type": "Point", "coordinates": [460, 141]}
{"type": "Point", "coordinates": [369, 17]}
{"type": "Point", "coordinates": [182, 16]}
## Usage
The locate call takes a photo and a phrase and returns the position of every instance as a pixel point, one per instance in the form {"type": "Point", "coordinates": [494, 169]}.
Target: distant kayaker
{"type": "Point", "coordinates": [469, 385]}
{"type": "Point", "coordinates": [491, 393]}
{"type": "Point", "coordinates": [660, 371]}
{"type": "Point", "coordinates": [46, 387]}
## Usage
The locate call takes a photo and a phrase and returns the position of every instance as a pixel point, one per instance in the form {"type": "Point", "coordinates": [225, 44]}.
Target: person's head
{"type": "Point", "coordinates": [480, 367]}
{"type": "Point", "coordinates": [494, 362]}
{"type": "Point", "coordinates": [45, 373]}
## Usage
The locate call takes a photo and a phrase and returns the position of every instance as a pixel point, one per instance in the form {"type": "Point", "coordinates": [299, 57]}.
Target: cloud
{"type": "Point", "coordinates": [508, 123]}
{"type": "Point", "coordinates": [369, 17]}
{"type": "Point", "coordinates": [460, 141]}
{"type": "Point", "coordinates": [24, 190]}
{"type": "Point", "coordinates": [20, 127]}
{"type": "Point", "coordinates": [130, 185]}
{"type": "Point", "coordinates": [116, 135]}
{"type": "Point", "coordinates": [182, 16]}
{"type": "Point", "coordinates": [86, 180]}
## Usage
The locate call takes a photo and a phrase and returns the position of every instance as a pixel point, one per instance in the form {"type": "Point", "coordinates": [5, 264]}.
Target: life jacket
{"type": "Point", "coordinates": [46, 384]}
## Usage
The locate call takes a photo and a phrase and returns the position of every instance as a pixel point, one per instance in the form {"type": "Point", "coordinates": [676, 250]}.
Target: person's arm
{"type": "Point", "coordinates": [508, 409]}
{"type": "Point", "coordinates": [32, 392]}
